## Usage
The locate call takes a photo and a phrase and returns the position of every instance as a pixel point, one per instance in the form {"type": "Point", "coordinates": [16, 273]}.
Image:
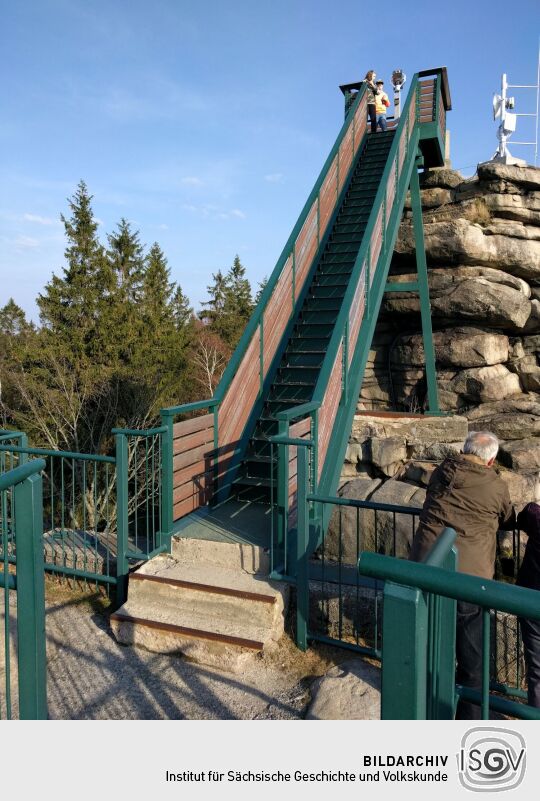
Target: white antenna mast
{"type": "Point", "coordinates": [503, 108]}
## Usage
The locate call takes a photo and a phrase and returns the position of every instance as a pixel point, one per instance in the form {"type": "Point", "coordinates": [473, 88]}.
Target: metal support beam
{"type": "Point", "coordinates": [423, 289]}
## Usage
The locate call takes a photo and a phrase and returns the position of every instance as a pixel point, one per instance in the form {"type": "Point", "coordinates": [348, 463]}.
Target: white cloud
{"type": "Point", "coordinates": [25, 242]}
{"type": "Point", "coordinates": [192, 180]}
{"type": "Point", "coordinates": [163, 227]}
{"type": "Point", "coordinates": [238, 213]}
{"type": "Point", "coordinates": [212, 212]}
{"type": "Point", "coordinates": [37, 218]}
{"type": "Point", "coordinates": [274, 178]}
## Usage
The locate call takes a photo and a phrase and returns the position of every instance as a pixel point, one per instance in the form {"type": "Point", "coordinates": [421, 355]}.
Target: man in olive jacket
{"type": "Point", "coordinates": [467, 494]}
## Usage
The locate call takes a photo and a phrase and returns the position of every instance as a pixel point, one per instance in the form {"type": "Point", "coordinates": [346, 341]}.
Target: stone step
{"type": "Point", "coordinates": [236, 556]}
{"type": "Point", "coordinates": [209, 613]}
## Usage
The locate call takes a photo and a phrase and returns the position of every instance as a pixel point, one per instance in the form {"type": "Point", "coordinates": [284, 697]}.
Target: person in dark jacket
{"type": "Point", "coordinates": [467, 494]}
{"type": "Point", "coordinates": [529, 576]}
{"type": "Point", "coordinates": [372, 90]}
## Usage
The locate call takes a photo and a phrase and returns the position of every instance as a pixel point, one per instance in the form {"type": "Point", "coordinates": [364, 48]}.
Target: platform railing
{"type": "Point", "coordinates": [411, 636]}
{"type": "Point", "coordinates": [22, 522]}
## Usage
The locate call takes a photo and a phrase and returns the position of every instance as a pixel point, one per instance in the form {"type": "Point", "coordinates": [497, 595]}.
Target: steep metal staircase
{"type": "Point", "coordinates": [229, 463]}
{"type": "Point", "coordinates": [303, 357]}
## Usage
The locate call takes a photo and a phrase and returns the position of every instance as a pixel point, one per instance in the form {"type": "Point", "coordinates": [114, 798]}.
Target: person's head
{"type": "Point", "coordinates": [379, 84]}
{"type": "Point", "coordinates": [370, 75]}
{"type": "Point", "coordinates": [482, 444]}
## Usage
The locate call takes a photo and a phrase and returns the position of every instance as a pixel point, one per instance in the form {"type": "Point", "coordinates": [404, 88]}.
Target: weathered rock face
{"type": "Point", "coordinates": [482, 239]}
{"type": "Point", "coordinates": [350, 691]}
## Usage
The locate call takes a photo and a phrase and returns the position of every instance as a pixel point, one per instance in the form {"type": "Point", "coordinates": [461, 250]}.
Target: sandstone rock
{"type": "Point", "coordinates": [523, 208]}
{"type": "Point", "coordinates": [343, 523]}
{"type": "Point", "coordinates": [512, 228]}
{"type": "Point", "coordinates": [533, 321]}
{"type": "Point", "coordinates": [432, 198]}
{"type": "Point", "coordinates": [527, 177]}
{"type": "Point", "coordinates": [486, 383]}
{"type": "Point", "coordinates": [395, 530]}
{"type": "Point", "coordinates": [523, 487]}
{"type": "Point", "coordinates": [423, 429]}
{"type": "Point", "coordinates": [461, 242]}
{"type": "Point", "coordinates": [480, 300]}
{"type": "Point", "coordinates": [455, 347]}
{"type": "Point", "coordinates": [387, 453]}
{"type": "Point", "coordinates": [531, 343]}
{"type": "Point", "coordinates": [350, 691]}
{"type": "Point", "coordinates": [479, 295]}
{"type": "Point", "coordinates": [417, 472]}
{"type": "Point", "coordinates": [436, 451]}
{"type": "Point", "coordinates": [445, 178]}
{"type": "Point", "coordinates": [521, 454]}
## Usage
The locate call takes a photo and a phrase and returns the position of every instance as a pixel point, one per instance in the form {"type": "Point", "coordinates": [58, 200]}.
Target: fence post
{"type": "Point", "coordinates": [166, 522]}
{"type": "Point", "coordinates": [122, 518]}
{"type": "Point", "coordinates": [404, 647]}
{"type": "Point", "coordinates": [32, 662]}
{"type": "Point", "coordinates": [302, 547]}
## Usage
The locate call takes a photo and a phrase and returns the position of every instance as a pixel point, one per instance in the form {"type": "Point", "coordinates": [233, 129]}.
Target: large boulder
{"type": "Point", "coordinates": [481, 384]}
{"type": "Point", "coordinates": [351, 530]}
{"type": "Point", "coordinates": [521, 454]}
{"type": "Point", "coordinates": [468, 294]}
{"type": "Point", "coordinates": [395, 530]}
{"type": "Point", "coordinates": [523, 208]}
{"type": "Point", "coordinates": [459, 241]}
{"type": "Point", "coordinates": [416, 430]}
{"type": "Point", "coordinates": [455, 347]}
{"type": "Point", "coordinates": [350, 691]}
{"type": "Point", "coordinates": [445, 178]}
{"type": "Point", "coordinates": [387, 453]}
{"type": "Point", "coordinates": [526, 177]}
{"type": "Point", "coordinates": [523, 487]}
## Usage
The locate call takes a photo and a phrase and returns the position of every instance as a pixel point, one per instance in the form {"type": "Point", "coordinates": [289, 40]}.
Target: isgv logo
{"type": "Point", "coordinates": [491, 759]}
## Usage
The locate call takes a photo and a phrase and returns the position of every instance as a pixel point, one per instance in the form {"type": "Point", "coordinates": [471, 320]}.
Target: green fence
{"type": "Point", "coordinates": [23, 655]}
{"type": "Point", "coordinates": [419, 638]}
{"type": "Point", "coordinates": [100, 513]}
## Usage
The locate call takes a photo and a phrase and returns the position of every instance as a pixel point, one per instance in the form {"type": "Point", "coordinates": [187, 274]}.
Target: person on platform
{"type": "Point", "coordinates": [467, 494]}
{"type": "Point", "coordinates": [371, 98]}
{"type": "Point", "coordinates": [381, 104]}
{"type": "Point", "coordinates": [528, 521]}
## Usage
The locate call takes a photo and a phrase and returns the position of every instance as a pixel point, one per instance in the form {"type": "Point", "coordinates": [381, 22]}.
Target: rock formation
{"type": "Point", "coordinates": [482, 239]}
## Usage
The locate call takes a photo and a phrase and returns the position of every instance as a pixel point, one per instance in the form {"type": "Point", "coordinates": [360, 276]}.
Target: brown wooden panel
{"type": "Point", "coordinates": [192, 471]}
{"type": "Point", "coordinates": [356, 313]}
{"type": "Point", "coordinates": [277, 313]}
{"type": "Point", "coordinates": [192, 457]}
{"type": "Point", "coordinates": [427, 86]}
{"type": "Point", "coordinates": [306, 246]}
{"type": "Point", "coordinates": [328, 196]}
{"type": "Point", "coordinates": [390, 191]}
{"type": "Point", "coordinates": [238, 401]}
{"type": "Point", "coordinates": [200, 486]}
{"type": "Point", "coordinates": [360, 123]}
{"type": "Point", "coordinates": [375, 244]}
{"type": "Point", "coordinates": [328, 410]}
{"type": "Point", "coordinates": [185, 427]}
{"type": "Point", "coordinates": [183, 444]}
{"type": "Point", "coordinates": [185, 507]}
{"type": "Point", "coordinates": [301, 429]}
{"type": "Point", "coordinates": [345, 156]}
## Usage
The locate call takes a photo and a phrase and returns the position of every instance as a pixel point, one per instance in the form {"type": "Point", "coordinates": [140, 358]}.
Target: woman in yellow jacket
{"type": "Point", "coordinates": [381, 104]}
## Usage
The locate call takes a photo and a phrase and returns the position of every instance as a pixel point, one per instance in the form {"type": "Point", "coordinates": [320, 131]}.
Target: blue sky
{"type": "Point", "coordinates": [206, 124]}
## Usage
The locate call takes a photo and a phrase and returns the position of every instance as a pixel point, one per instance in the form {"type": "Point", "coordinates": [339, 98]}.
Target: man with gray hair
{"type": "Point", "coordinates": [467, 494]}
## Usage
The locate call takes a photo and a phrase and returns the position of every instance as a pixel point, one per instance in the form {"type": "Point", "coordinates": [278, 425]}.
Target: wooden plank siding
{"type": "Point", "coordinates": [329, 407]}
{"type": "Point", "coordinates": [328, 196]}
{"type": "Point", "coordinates": [193, 460]}
{"type": "Point", "coordinates": [276, 315]}
{"type": "Point", "coordinates": [356, 312]}
{"type": "Point", "coordinates": [299, 430]}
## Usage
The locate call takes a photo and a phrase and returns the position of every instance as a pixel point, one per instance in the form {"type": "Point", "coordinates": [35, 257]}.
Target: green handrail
{"type": "Point", "coordinates": [486, 593]}
{"type": "Point", "coordinates": [21, 473]}
{"type": "Point", "coordinates": [92, 457]}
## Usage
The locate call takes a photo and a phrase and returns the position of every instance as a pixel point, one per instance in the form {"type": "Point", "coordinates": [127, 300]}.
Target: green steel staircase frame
{"type": "Point", "coordinates": [419, 140]}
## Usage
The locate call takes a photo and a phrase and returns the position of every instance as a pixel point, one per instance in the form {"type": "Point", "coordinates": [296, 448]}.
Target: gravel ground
{"type": "Point", "coordinates": [91, 676]}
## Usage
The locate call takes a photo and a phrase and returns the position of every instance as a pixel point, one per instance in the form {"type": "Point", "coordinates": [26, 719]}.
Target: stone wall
{"type": "Point", "coordinates": [483, 249]}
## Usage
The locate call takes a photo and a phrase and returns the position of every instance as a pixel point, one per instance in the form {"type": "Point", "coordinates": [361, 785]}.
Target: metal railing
{"type": "Point", "coordinates": [100, 512]}
{"type": "Point", "coordinates": [23, 629]}
{"type": "Point", "coordinates": [416, 641]}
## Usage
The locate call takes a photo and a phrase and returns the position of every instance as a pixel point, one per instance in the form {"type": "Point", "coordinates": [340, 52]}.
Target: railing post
{"type": "Point", "coordinates": [405, 615]}
{"type": "Point", "coordinates": [302, 548]}
{"type": "Point", "coordinates": [122, 519]}
{"type": "Point", "coordinates": [167, 477]}
{"type": "Point", "coordinates": [282, 490]}
{"type": "Point", "coordinates": [32, 662]}
{"type": "Point", "coordinates": [423, 291]}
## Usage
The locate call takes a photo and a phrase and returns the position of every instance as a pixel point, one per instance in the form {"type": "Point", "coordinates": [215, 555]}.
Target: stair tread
{"type": "Point", "coordinates": [214, 578]}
